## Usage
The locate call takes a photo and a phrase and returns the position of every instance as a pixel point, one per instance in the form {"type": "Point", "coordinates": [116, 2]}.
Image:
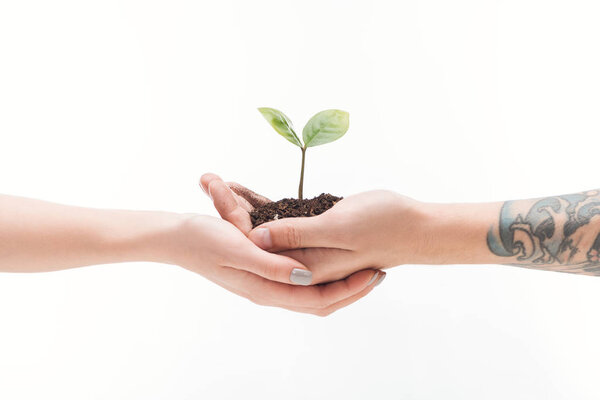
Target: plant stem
{"type": "Point", "coordinates": [302, 174]}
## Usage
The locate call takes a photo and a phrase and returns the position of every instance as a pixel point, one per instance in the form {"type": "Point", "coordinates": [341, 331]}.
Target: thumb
{"type": "Point", "coordinates": [271, 266]}
{"type": "Point", "coordinates": [293, 233]}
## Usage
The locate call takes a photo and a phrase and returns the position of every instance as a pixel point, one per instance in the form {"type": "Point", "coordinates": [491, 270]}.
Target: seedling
{"type": "Point", "coordinates": [324, 127]}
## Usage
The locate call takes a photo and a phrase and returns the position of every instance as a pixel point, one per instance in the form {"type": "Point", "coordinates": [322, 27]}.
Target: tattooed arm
{"type": "Point", "coordinates": [382, 229]}
{"type": "Point", "coordinates": [559, 233]}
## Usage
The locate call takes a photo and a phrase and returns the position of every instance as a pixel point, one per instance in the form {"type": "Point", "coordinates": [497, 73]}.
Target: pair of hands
{"type": "Point", "coordinates": [340, 252]}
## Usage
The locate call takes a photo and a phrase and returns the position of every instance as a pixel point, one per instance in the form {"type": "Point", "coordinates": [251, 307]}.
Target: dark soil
{"type": "Point", "coordinates": [287, 208]}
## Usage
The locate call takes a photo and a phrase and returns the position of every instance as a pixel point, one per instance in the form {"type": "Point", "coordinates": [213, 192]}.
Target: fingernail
{"type": "Point", "coordinates": [208, 192]}
{"type": "Point", "coordinates": [375, 275]}
{"type": "Point", "coordinates": [301, 276]}
{"type": "Point", "coordinates": [262, 238]}
{"type": "Point", "coordinates": [380, 279]}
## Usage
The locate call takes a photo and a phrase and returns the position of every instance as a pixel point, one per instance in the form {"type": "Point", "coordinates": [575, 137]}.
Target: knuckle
{"type": "Point", "coordinates": [264, 270]}
{"type": "Point", "coordinates": [277, 272]}
{"type": "Point", "coordinates": [293, 236]}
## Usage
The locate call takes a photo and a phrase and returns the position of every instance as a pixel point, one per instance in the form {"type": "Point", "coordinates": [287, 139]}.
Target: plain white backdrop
{"type": "Point", "coordinates": [124, 104]}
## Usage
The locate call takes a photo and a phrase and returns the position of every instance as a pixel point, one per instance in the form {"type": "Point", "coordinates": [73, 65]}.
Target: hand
{"type": "Point", "coordinates": [217, 250]}
{"type": "Point", "coordinates": [369, 230]}
{"type": "Point", "coordinates": [377, 229]}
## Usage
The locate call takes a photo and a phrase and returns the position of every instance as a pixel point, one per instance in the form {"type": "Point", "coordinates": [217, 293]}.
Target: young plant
{"type": "Point", "coordinates": [324, 127]}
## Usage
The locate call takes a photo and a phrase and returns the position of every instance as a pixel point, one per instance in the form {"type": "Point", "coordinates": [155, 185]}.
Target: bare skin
{"type": "Point", "coordinates": [382, 229]}
{"type": "Point", "coordinates": [37, 236]}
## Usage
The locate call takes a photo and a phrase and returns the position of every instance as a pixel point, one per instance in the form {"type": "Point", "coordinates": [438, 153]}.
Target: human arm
{"type": "Point", "coordinates": [37, 236]}
{"type": "Point", "coordinates": [383, 229]}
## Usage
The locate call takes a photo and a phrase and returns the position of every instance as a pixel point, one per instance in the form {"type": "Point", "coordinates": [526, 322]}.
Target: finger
{"type": "Point", "coordinates": [323, 312]}
{"type": "Point", "coordinates": [327, 264]}
{"type": "Point", "coordinates": [322, 257]}
{"type": "Point", "coordinates": [243, 202]}
{"type": "Point", "coordinates": [309, 298]}
{"type": "Point", "coordinates": [254, 199]}
{"type": "Point", "coordinates": [321, 296]}
{"type": "Point", "coordinates": [205, 180]}
{"type": "Point", "coordinates": [296, 233]}
{"type": "Point", "coordinates": [227, 206]}
{"type": "Point", "coordinates": [273, 267]}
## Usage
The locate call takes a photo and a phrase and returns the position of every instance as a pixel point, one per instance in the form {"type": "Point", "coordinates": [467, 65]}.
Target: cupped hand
{"type": "Point", "coordinates": [375, 229]}
{"type": "Point", "coordinates": [217, 250]}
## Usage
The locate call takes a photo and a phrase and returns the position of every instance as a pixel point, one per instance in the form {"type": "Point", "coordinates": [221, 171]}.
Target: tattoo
{"type": "Point", "coordinates": [556, 233]}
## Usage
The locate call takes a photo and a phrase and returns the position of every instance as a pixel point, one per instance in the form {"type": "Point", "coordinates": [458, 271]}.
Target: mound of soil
{"type": "Point", "coordinates": [287, 208]}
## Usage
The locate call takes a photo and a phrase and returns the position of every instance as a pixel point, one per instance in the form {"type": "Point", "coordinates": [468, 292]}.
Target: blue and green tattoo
{"type": "Point", "coordinates": [559, 233]}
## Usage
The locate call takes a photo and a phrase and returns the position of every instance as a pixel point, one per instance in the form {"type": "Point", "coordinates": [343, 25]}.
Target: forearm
{"type": "Point", "coordinates": [560, 233]}
{"type": "Point", "coordinates": [456, 233]}
{"type": "Point", "coordinates": [40, 236]}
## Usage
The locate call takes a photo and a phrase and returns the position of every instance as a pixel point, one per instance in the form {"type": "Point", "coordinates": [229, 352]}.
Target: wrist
{"type": "Point", "coordinates": [142, 235]}
{"type": "Point", "coordinates": [455, 233]}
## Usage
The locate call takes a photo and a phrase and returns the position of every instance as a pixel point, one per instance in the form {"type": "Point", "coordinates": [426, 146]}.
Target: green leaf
{"type": "Point", "coordinates": [281, 123]}
{"type": "Point", "coordinates": [325, 127]}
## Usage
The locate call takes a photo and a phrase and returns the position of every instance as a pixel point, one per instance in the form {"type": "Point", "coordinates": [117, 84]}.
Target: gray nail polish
{"type": "Point", "coordinates": [380, 279]}
{"type": "Point", "coordinates": [301, 276]}
{"type": "Point", "coordinates": [375, 275]}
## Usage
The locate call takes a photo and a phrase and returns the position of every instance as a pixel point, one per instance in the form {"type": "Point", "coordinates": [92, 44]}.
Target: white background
{"type": "Point", "coordinates": [123, 104]}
